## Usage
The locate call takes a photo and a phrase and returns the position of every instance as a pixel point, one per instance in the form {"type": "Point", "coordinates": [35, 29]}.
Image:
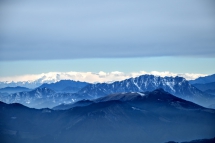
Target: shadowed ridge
{"type": "Point", "coordinates": [155, 98]}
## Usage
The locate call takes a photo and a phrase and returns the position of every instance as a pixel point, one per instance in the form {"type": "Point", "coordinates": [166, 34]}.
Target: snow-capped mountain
{"type": "Point", "coordinates": [27, 84]}
{"type": "Point", "coordinates": [45, 97]}
{"type": "Point", "coordinates": [35, 80]}
{"type": "Point", "coordinates": [177, 86]}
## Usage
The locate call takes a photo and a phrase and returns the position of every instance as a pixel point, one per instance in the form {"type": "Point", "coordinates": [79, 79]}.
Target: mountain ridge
{"type": "Point", "coordinates": [175, 85]}
{"type": "Point", "coordinates": [205, 86]}
{"type": "Point", "coordinates": [65, 85]}
{"type": "Point", "coordinates": [203, 80]}
{"type": "Point", "coordinates": [14, 89]}
{"type": "Point", "coordinates": [158, 95]}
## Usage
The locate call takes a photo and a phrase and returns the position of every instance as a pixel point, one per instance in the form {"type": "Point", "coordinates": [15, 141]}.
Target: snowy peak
{"type": "Point", "coordinates": [175, 85]}
{"type": "Point", "coordinates": [151, 82]}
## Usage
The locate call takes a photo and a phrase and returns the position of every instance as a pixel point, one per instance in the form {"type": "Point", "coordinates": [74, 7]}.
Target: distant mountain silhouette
{"type": "Point", "coordinates": [203, 80]}
{"type": "Point", "coordinates": [14, 89]}
{"type": "Point", "coordinates": [205, 86]}
{"type": "Point", "coordinates": [65, 86]}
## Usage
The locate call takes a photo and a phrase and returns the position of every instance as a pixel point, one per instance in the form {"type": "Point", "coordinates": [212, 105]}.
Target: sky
{"type": "Point", "coordinates": [92, 36]}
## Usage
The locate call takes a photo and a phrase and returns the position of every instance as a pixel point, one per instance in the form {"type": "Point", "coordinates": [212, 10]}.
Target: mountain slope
{"type": "Point", "coordinates": [65, 86]}
{"type": "Point", "coordinates": [210, 91]}
{"type": "Point", "coordinates": [71, 105]}
{"type": "Point", "coordinates": [203, 80]}
{"type": "Point", "coordinates": [14, 89]}
{"type": "Point", "coordinates": [155, 97]}
{"type": "Point", "coordinates": [121, 119]}
{"type": "Point", "coordinates": [174, 85]}
{"type": "Point", "coordinates": [205, 86]}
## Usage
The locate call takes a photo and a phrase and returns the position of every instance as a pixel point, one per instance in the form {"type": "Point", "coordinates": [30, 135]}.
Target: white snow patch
{"type": "Point", "coordinates": [141, 94]}
{"type": "Point", "coordinates": [171, 85]}
{"type": "Point", "coordinates": [136, 85]}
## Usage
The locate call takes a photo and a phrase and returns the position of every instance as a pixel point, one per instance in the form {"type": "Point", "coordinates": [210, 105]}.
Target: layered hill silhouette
{"type": "Point", "coordinates": [153, 117]}
{"type": "Point", "coordinates": [62, 92]}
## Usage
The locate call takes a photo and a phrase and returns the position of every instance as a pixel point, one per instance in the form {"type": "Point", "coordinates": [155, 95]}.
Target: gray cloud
{"type": "Point", "coordinates": [32, 30]}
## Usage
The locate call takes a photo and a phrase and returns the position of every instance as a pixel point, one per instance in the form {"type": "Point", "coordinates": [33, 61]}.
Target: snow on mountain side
{"type": "Point", "coordinates": [177, 86]}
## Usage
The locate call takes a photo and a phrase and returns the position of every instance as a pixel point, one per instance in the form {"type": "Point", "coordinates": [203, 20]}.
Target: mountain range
{"type": "Point", "coordinates": [41, 98]}
{"type": "Point", "coordinates": [138, 117]}
{"type": "Point", "coordinates": [39, 82]}
{"type": "Point", "coordinates": [47, 95]}
{"type": "Point", "coordinates": [177, 86]}
{"type": "Point", "coordinates": [68, 91]}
